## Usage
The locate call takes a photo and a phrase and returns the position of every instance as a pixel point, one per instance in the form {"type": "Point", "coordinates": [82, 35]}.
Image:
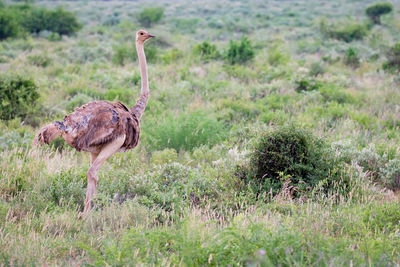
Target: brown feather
{"type": "Point", "coordinates": [97, 123]}
{"type": "Point", "coordinates": [47, 134]}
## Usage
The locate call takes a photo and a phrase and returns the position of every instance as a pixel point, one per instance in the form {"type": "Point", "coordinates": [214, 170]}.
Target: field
{"type": "Point", "coordinates": [190, 194]}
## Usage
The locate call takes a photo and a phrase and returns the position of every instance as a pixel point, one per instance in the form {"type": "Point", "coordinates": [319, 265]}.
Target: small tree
{"type": "Point", "coordinates": [150, 15]}
{"type": "Point", "coordinates": [9, 26]}
{"type": "Point", "coordinates": [63, 22]}
{"type": "Point", "coordinates": [375, 11]}
{"type": "Point", "coordinates": [35, 20]}
{"type": "Point", "coordinates": [239, 53]}
{"type": "Point", "coordinates": [17, 97]}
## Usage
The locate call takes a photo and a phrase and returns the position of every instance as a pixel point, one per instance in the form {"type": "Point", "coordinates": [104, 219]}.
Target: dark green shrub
{"type": "Point", "coordinates": [239, 52]}
{"type": "Point", "coordinates": [289, 153]}
{"type": "Point", "coordinates": [63, 22]}
{"type": "Point", "coordinates": [206, 51]}
{"type": "Point", "coordinates": [307, 85]}
{"type": "Point", "coordinates": [36, 19]}
{"type": "Point", "coordinates": [393, 58]}
{"type": "Point", "coordinates": [352, 58]}
{"type": "Point", "coordinates": [345, 31]}
{"type": "Point", "coordinates": [9, 26]}
{"type": "Point", "coordinates": [150, 15]}
{"type": "Point", "coordinates": [17, 97]}
{"type": "Point", "coordinates": [375, 11]}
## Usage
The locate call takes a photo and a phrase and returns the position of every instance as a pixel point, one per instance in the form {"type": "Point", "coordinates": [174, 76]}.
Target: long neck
{"type": "Point", "coordinates": [141, 104]}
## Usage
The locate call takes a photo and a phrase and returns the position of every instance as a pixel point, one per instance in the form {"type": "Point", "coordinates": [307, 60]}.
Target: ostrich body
{"type": "Point", "coordinates": [102, 128]}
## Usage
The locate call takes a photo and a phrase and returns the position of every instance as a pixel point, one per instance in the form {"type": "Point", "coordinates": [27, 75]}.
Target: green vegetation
{"type": "Point", "coordinates": [393, 58]}
{"type": "Point", "coordinates": [206, 51]}
{"type": "Point", "coordinates": [265, 142]}
{"type": "Point", "coordinates": [375, 11]}
{"type": "Point", "coordinates": [239, 53]}
{"type": "Point", "coordinates": [9, 26]}
{"type": "Point", "coordinates": [347, 31]}
{"type": "Point", "coordinates": [292, 157]}
{"type": "Point", "coordinates": [352, 57]}
{"type": "Point", "coordinates": [151, 15]}
{"type": "Point", "coordinates": [17, 19]}
{"type": "Point", "coordinates": [18, 97]}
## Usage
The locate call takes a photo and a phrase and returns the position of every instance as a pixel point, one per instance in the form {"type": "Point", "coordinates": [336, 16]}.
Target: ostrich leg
{"type": "Point", "coordinates": [97, 161]}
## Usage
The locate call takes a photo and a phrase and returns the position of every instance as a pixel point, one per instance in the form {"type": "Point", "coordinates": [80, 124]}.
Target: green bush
{"type": "Point", "coordinates": [239, 52]}
{"type": "Point", "coordinates": [17, 97]}
{"type": "Point", "coordinates": [375, 11]}
{"type": "Point", "coordinates": [148, 16]}
{"type": "Point", "coordinates": [186, 131]}
{"type": "Point", "coordinates": [345, 30]}
{"type": "Point", "coordinates": [206, 51]}
{"type": "Point", "coordinates": [36, 19]}
{"type": "Point", "coordinates": [393, 58]}
{"type": "Point", "coordinates": [293, 156]}
{"type": "Point", "coordinates": [352, 57]}
{"type": "Point", "coordinates": [307, 85]}
{"type": "Point", "coordinates": [9, 26]}
{"type": "Point", "coordinates": [66, 188]}
{"type": "Point", "coordinates": [63, 22]}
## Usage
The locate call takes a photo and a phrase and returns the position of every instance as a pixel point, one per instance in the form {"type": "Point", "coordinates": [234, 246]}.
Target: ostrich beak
{"type": "Point", "coordinates": [150, 35]}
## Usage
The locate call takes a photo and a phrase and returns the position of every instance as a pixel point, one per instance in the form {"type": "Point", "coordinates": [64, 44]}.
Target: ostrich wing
{"type": "Point", "coordinates": [98, 123]}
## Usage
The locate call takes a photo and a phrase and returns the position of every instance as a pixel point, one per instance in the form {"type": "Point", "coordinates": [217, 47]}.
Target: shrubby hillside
{"type": "Point", "coordinates": [271, 136]}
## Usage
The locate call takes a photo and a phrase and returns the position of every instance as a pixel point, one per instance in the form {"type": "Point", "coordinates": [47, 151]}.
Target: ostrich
{"type": "Point", "coordinates": [102, 128]}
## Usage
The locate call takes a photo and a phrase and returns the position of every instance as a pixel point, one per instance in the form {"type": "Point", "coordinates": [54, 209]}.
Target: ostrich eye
{"type": "Point", "coordinates": [141, 33]}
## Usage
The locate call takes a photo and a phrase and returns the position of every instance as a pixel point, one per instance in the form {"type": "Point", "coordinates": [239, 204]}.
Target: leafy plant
{"type": "Point", "coordinates": [352, 57]}
{"type": "Point", "coordinates": [307, 85]}
{"type": "Point", "coordinates": [375, 11]}
{"type": "Point", "coordinates": [291, 155]}
{"type": "Point", "coordinates": [9, 26]}
{"type": "Point", "coordinates": [17, 97]}
{"type": "Point", "coordinates": [63, 22]}
{"type": "Point", "coordinates": [239, 53]}
{"type": "Point", "coordinates": [393, 58]}
{"type": "Point", "coordinates": [148, 16]}
{"type": "Point", "coordinates": [206, 51]}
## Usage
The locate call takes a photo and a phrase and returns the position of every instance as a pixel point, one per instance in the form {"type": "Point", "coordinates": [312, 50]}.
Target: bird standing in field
{"type": "Point", "coordinates": [102, 128]}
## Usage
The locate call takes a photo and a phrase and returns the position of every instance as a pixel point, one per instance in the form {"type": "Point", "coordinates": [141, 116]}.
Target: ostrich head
{"type": "Point", "coordinates": [142, 36]}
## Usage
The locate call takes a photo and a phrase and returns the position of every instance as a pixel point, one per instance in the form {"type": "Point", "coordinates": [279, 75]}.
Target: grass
{"type": "Point", "coordinates": [176, 199]}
